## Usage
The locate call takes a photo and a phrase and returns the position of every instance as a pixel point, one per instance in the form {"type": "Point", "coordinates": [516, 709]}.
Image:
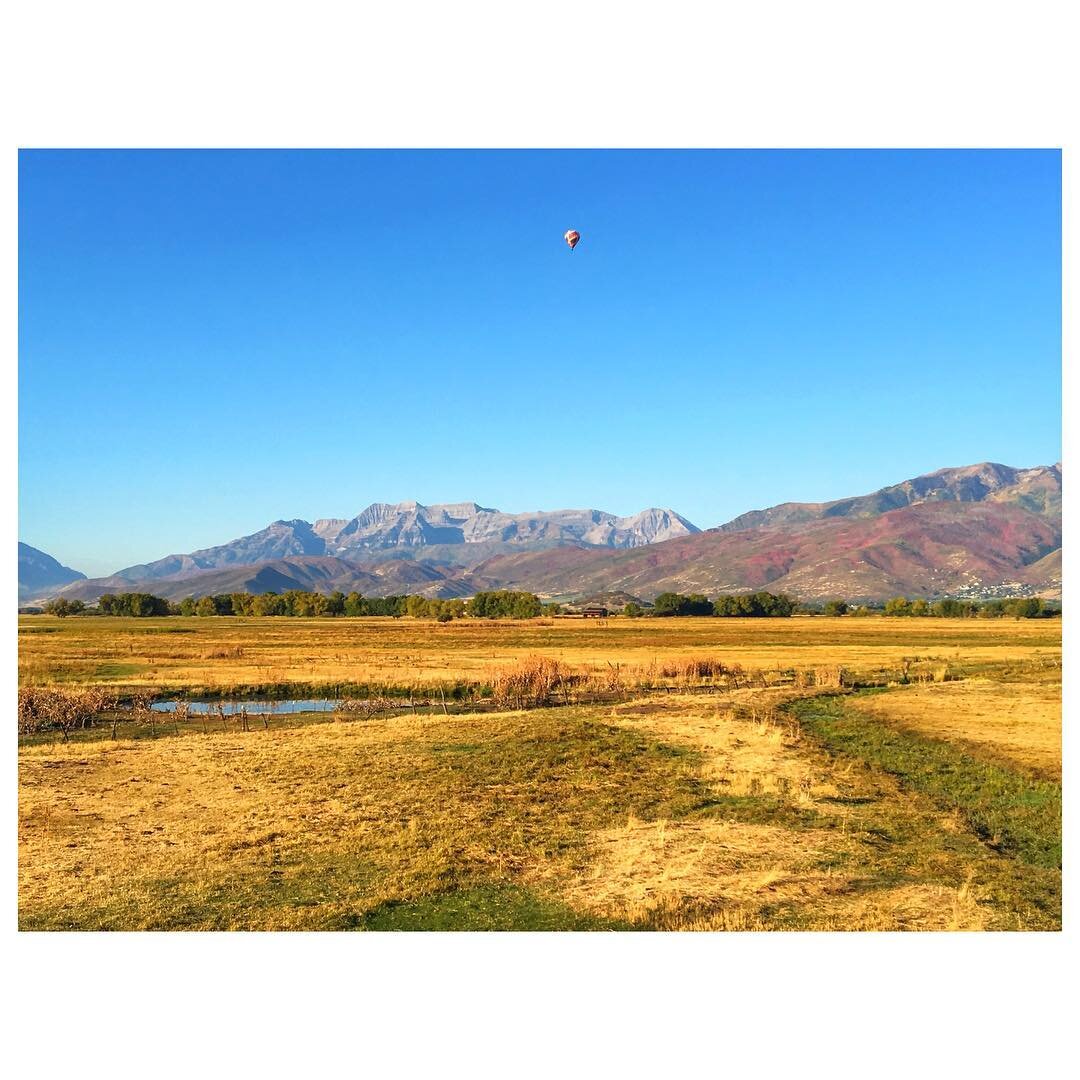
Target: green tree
{"type": "Point", "coordinates": [187, 605]}
{"type": "Point", "coordinates": [504, 604]}
{"type": "Point", "coordinates": [206, 606]}
{"type": "Point", "coordinates": [898, 605]}
{"type": "Point", "coordinates": [633, 610]}
{"type": "Point", "coordinates": [384, 605]}
{"type": "Point", "coordinates": [668, 603]}
{"type": "Point", "coordinates": [143, 605]}
{"type": "Point", "coordinates": [758, 605]}
{"type": "Point", "coordinates": [948, 609]}
{"type": "Point", "coordinates": [335, 603]}
{"type": "Point", "coordinates": [1028, 607]}
{"type": "Point", "coordinates": [525, 606]}
{"type": "Point", "coordinates": [243, 604]}
{"type": "Point", "coordinates": [63, 607]}
{"type": "Point", "coordinates": [835, 607]}
{"type": "Point", "coordinates": [269, 604]}
{"type": "Point", "coordinates": [417, 607]}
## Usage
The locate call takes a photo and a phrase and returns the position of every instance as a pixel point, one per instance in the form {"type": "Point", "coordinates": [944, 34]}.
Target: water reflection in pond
{"type": "Point", "coordinates": [254, 708]}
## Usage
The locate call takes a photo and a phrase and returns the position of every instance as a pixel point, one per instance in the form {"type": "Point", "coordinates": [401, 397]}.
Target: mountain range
{"type": "Point", "coordinates": [40, 574]}
{"type": "Point", "coordinates": [979, 530]}
{"type": "Point", "coordinates": [452, 534]}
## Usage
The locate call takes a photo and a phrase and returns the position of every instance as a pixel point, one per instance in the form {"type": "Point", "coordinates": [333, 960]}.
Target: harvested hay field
{"type": "Point", "coordinates": [1016, 722]}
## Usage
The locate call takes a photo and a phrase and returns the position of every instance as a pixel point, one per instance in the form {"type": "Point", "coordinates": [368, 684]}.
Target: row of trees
{"type": "Point", "coordinates": [485, 605]}
{"type": "Point", "coordinates": [1028, 607]}
{"type": "Point", "coordinates": [747, 605]}
{"type": "Point", "coordinates": [506, 604]}
{"type": "Point", "coordinates": [136, 603]}
{"type": "Point", "coordinates": [294, 602]}
{"type": "Point", "coordinates": [772, 605]}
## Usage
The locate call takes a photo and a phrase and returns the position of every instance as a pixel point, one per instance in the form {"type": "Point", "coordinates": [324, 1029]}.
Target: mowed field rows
{"type": "Point", "coordinates": [929, 806]}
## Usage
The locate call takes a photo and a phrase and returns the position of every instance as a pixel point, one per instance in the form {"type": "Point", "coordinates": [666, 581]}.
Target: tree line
{"type": "Point", "coordinates": [508, 604]}
{"type": "Point", "coordinates": [748, 605]}
{"type": "Point", "coordinates": [779, 605]}
{"type": "Point", "coordinates": [1027, 607]}
{"type": "Point", "coordinates": [503, 604]}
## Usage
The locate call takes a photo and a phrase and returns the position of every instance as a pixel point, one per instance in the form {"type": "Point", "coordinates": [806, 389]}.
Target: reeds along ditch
{"type": "Point", "coordinates": [532, 682]}
{"type": "Point", "coordinates": [55, 709]}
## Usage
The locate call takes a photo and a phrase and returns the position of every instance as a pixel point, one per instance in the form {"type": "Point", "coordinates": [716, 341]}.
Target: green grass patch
{"type": "Point", "coordinates": [115, 670]}
{"type": "Point", "coordinates": [494, 906]}
{"type": "Point", "coordinates": [1016, 814]}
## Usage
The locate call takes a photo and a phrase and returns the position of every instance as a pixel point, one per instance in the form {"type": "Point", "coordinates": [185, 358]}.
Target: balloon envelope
{"type": "Point", "coordinates": [572, 236]}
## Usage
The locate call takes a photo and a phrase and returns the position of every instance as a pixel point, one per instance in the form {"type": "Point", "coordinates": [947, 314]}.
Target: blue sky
{"type": "Point", "coordinates": [209, 341]}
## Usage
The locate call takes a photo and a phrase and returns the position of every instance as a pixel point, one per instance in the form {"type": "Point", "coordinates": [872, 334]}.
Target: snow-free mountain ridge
{"type": "Point", "coordinates": [39, 572]}
{"type": "Point", "coordinates": [978, 530]}
{"type": "Point", "coordinates": [461, 534]}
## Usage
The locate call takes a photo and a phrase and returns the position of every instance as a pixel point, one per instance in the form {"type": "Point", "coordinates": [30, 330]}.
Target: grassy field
{"type": "Point", "coordinates": [226, 653]}
{"type": "Point", "coordinates": [1016, 723]}
{"type": "Point", "coordinates": [782, 805]}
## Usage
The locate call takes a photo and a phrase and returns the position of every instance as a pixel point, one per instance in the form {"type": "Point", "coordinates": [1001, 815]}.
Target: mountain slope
{"type": "Point", "coordinates": [1037, 490]}
{"type": "Point", "coordinates": [39, 573]}
{"type": "Point", "coordinates": [278, 540]}
{"type": "Point", "coordinates": [308, 573]}
{"type": "Point", "coordinates": [931, 549]}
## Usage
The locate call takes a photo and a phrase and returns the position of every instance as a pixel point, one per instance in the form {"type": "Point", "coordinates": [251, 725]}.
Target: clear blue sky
{"type": "Point", "coordinates": [210, 341]}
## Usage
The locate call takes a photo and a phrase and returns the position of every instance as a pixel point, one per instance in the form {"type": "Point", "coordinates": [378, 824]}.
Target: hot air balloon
{"type": "Point", "coordinates": [572, 236]}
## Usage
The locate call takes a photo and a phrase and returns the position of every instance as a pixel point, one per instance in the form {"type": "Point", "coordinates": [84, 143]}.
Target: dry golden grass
{"type": "Point", "coordinates": [231, 652]}
{"type": "Point", "coordinates": [643, 867]}
{"type": "Point", "coordinates": [811, 870]}
{"type": "Point", "coordinates": [670, 812]}
{"type": "Point", "coordinates": [1017, 722]}
{"type": "Point", "coordinates": [666, 811]}
{"type": "Point", "coordinates": [311, 827]}
{"type": "Point", "coordinates": [905, 907]}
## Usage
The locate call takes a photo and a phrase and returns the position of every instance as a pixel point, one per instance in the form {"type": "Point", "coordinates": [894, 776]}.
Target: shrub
{"type": "Point", "coordinates": [53, 709]}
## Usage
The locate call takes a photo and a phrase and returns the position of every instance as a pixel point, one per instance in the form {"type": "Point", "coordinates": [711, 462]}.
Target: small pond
{"type": "Point", "coordinates": [254, 708]}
